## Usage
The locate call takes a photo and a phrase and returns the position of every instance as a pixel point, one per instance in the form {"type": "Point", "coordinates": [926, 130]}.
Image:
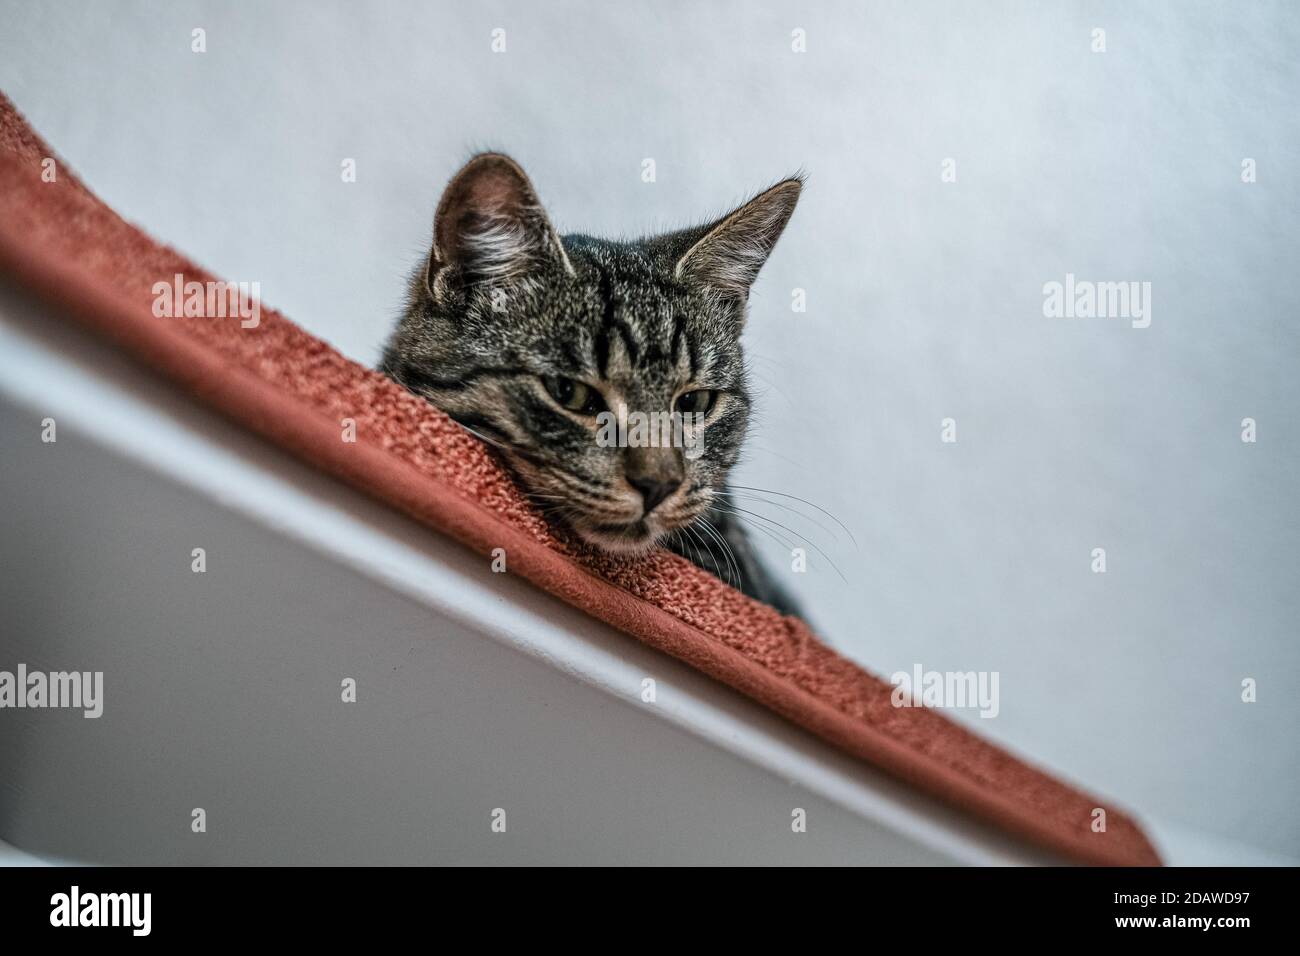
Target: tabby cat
{"type": "Point", "coordinates": [526, 337]}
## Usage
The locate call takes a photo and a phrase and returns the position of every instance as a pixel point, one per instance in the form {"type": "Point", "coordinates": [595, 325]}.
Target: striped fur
{"type": "Point", "coordinates": [504, 304]}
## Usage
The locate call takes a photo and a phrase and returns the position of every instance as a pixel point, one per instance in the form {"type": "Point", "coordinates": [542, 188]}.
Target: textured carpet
{"type": "Point", "coordinates": [60, 241]}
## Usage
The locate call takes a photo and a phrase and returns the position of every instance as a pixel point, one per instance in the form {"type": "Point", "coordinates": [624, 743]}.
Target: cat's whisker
{"type": "Point", "coordinates": [782, 494]}
{"type": "Point", "coordinates": [751, 446]}
{"type": "Point", "coordinates": [721, 558]}
{"type": "Point", "coordinates": [811, 544]}
{"type": "Point", "coordinates": [579, 486]}
{"type": "Point", "coordinates": [779, 539]}
{"type": "Point", "coordinates": [692, 543]}
{"type": "Point", "coordinates": [783, 542]}
{"type": "Point", "coordinates": [562, 512]}
{"type": "Point", "coordinates": [740, 496]}
{"type": "Point", "coordinates": [701, 544]}
{"type": "Point", "coordinates": [479, 435]}
{"type": "Point", "coordinates": [697, 533]}
{"type": "Point", "coordinates": [598, 504]}
{"type": "Point", "coordinates": [730, 556]}
{"type": "Point", "coordinates": [774, 387]}
{"type": "Point", "coordinates": [702, 523]}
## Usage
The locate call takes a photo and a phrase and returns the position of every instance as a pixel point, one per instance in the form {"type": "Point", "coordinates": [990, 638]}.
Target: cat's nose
{"type": "Point", "coordinates": [654, 490]}
{"type": "Point", "coordinates": [655, 472]}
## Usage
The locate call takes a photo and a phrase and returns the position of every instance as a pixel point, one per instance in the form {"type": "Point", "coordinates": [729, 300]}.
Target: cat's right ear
{"type": "Point", "coordinates": [490, 227]}
{"type": "Point", "coordinates": [727, 255]}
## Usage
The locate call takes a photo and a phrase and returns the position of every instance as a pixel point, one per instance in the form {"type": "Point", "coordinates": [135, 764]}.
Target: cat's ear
{"type": "Point", "coordinates": [727, 255]}
{"type": "Point", "coordinates": [490, 227]}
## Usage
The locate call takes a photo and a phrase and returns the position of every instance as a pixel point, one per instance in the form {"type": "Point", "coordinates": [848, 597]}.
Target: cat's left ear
{"type": "Point", "coordinates": [727, 257]}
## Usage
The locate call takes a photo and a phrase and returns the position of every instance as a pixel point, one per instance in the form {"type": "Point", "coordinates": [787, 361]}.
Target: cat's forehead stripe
{"type": "Point", "coordinates": [615, 329]}
{"type": "Point", "coordinates": [606, 292]}
{"type": "Point", "coordinates": [643, 326]}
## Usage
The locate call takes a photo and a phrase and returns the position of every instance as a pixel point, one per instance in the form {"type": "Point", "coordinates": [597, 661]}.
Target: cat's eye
{"type": "Point", "coordinates": [697, 402]}
{"type": "Point", "coordinates": [573, 395]}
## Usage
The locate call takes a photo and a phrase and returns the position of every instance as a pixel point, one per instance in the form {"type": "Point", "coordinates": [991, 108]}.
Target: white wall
{"type": "Point", "coordinates": [924, 298]}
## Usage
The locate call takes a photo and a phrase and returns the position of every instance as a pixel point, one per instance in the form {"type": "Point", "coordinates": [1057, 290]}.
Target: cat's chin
{"type": "Point", "coordinates": [630, 540]}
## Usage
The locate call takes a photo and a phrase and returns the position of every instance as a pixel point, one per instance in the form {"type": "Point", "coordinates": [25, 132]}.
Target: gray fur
{"type": "Point", "coordinates": [504, 305]}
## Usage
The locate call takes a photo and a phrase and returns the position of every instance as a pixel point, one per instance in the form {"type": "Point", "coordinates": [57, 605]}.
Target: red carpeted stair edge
{"type": "Point", "coordinates": [59, 240]}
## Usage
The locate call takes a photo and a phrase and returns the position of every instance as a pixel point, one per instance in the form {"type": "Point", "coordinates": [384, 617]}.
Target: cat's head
{"type": "Point", "coordinates": [539, 343]}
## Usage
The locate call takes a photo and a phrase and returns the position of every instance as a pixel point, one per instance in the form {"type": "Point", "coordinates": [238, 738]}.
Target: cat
{"type": "Point", "coordinates": [530, 340]}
